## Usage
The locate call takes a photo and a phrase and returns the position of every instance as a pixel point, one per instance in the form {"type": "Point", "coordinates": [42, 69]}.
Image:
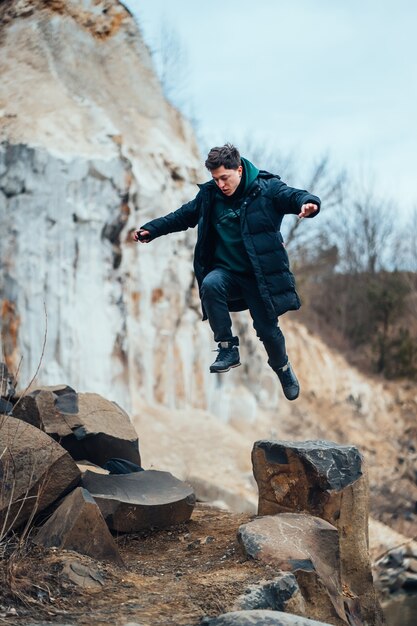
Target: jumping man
{"type": "Point", "coordinates": [240, 261]}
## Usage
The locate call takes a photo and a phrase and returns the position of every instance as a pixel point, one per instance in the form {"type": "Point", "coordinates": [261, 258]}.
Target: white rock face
{"type": "Point", "coordinates": [90, 149]}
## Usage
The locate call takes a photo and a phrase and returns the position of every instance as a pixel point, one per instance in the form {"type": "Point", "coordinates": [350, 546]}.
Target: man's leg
{"type": "Point", "coordinates": [267, 328]}
{"type": "Point", "coordinates": [269, 332]}
{"type": "Point", "coordinates": [217, 288]}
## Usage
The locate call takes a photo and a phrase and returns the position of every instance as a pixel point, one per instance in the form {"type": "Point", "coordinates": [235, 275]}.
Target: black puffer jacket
{"type": "Point", "coordinates": [261, 211]}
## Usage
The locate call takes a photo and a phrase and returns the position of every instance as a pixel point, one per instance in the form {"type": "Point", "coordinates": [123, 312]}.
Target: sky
{"type": "Point", "coordinates": [304, 77]}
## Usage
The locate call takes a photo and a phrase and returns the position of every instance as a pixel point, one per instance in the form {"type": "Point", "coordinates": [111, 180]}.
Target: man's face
{"type": "Point", "coordinates": [227, 180]}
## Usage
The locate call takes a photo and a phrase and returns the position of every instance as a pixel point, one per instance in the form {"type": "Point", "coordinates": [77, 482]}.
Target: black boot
{"type": "Point", "coordinates": [289, 382]}
{"type": "Point", "coordinates": [228, 356]}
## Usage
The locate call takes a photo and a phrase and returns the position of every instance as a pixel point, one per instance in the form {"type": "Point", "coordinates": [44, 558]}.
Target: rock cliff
{"type": "Point", "coordinates": [89, 150]}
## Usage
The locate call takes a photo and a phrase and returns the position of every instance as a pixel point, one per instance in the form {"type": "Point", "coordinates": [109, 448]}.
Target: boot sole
{"type": "Point", "coordinates": [292, 397]}
{"type": "Point", "coordinates": [224, 371]}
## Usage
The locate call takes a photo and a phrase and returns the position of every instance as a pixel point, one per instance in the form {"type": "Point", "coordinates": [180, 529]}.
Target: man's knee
{"type": "Point", "coordinates": [212, 284]}
{"type": "Point", "coordinates": [270, 334]}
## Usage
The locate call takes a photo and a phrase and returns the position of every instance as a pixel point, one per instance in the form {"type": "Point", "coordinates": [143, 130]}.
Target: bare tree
{"type": "Point", "coordinates": [364, 232]}
{"type": "Point", "coordinates": [409, 241]}
{"type": "Point", "coordinates": [171, 61]}
{"type": "Point", "coordinates": [322, 179]}
{"type": "Point", "coordinates": [329, 185]}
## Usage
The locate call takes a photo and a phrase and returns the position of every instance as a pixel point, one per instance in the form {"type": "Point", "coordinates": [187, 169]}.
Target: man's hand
{"type": "Point", "coordinates": [307, 209]}
{"type": "Point", "coordinates": [141, 235]}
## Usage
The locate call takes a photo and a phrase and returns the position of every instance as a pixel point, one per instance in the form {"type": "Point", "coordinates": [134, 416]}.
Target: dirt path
{"type": "Point", "coordinates": [173, 577]}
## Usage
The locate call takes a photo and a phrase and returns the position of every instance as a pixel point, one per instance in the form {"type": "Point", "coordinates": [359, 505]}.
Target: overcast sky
{"type": "Point", "coordinates": [304, 76]}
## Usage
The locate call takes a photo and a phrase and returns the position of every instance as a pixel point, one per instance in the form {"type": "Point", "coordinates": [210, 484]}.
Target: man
{"type": "Point", "coordinates": [240, 260]}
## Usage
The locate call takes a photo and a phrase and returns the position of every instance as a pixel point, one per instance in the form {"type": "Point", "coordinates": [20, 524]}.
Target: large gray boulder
{"type": "Point", "coordinates": [329, 481]}
{"type": "Point", "coordinates": [86, 424]}
{"type": "Point", "coordinates": [35, 471]}
{"type": "Point", "coordinates": [148, 499]}
{"type": "Point", "coordinates": [260, 618]}
{"type": "Point", "coordinates": [307, 546]}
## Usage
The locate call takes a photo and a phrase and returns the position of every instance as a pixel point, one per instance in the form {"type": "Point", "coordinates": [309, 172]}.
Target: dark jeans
{"type": "Point", "coordinates": [221, 286]}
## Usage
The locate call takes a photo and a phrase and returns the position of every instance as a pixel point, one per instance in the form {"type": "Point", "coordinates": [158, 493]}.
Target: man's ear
{"type": "Point", "coordinates": [240, 169]}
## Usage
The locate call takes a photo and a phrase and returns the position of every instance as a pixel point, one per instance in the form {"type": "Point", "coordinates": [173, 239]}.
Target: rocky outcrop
{"type": "Point", "coordinates": [133, 502]}
{"type": "Point", "coordinates": [260, 618]}
{"type": "Point", "coordinates": [86, 424]}
{"type": "Point", "coordinates": [396, 571]}
{"type": "Point", "coordinates": [35, 471]}
{"type": "Point", "coordinates": [86, 155]}
{"type": "Point", "coordinates": [308, 547]}
{"type": "Point", "coordinates": [326, 480]}
{"type": "Point", "coordinates": [78, 525]}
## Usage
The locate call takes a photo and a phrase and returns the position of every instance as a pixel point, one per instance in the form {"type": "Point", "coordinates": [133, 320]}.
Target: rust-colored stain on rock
{"type": "Point", "coordinates": [157, 295]}
{"type": "Point", "coordinates": [10, 323]}
{"type": "Point", "coordinates": [100, 26]}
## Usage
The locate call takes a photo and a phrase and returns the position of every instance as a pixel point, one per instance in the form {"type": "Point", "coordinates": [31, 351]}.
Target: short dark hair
{"type": "Point", "coordinates": [226, 155]}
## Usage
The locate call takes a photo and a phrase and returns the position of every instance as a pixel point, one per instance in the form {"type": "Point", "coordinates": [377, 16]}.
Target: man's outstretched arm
{"type": "Point", "coordinates": [181, 219]}
{"type": "Point", "coordinates": [296, 201]}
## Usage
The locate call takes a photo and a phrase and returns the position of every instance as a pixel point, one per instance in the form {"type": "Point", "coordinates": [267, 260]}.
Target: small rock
{"type": "Point", "coordinates": [410, 581]}
{"type": "Point", "coordinates": [82, 575]}
{"type": "Point", "coordinates": [279, 594]}
{"type": "Point", "coordinates": [6, 407]}
{"type": "Point", "coordinates": [78, 525]}
{"type": "Point", "coordinates": [412, 565]}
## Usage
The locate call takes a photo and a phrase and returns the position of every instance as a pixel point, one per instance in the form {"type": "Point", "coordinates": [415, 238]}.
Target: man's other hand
{"type": "Point", "coordinates": [141, 235]}
{"type": "Point", "coordinates": [308, 209]}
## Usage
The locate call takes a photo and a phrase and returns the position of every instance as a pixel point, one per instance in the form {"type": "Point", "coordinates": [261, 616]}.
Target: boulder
{"type": "Point", "coordinates": [86, 424]}
{"type": "Point", "coordinates": [282, 593]}
{"type": "Point", "coordinates": [259, 618]}
{"type": "Point", "coordinates": [78, 525]}
{"type": "Point", "coordinates": [148, 499]}
{"type": "Point", "coordinates": [6, 407]}
{"type": "Point", "coordinates": [307, 546]}
{"type": "Point", "coordinates": [35, 471]}
{"type": "Point", "coordinates": [329, 481]}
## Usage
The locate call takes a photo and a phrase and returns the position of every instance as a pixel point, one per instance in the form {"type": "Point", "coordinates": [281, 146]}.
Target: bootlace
{"type": "Point", "coordinates": [223, 352]}
{"type": "Point", "coordinates": [286, 376]}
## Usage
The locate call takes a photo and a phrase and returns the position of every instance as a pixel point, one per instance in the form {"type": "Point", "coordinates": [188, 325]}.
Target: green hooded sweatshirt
{"type": "Point", "coordinates": [230, 251]}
